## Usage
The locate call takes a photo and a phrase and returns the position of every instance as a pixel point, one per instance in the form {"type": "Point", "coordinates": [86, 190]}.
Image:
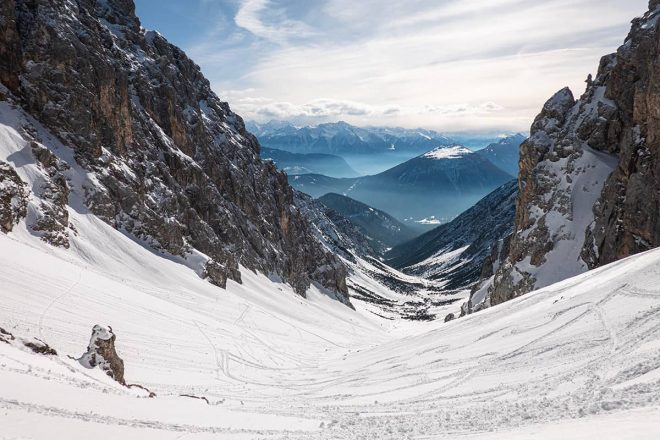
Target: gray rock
{"type": "Point", "coordinates": [101, 353]}
{"type": "Point", "coordinates": [13, 198]}
{"type": "Point", "coordinates": [175, 166]}
{"type": "Point", "coordinates": [616, 120]}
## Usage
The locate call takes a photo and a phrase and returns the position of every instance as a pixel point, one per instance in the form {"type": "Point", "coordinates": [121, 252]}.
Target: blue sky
{"type": "Point", "coordinates": [451, 65]}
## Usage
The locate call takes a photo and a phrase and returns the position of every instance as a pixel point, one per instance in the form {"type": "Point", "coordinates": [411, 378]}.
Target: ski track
{"type": "Point", "coordinates": [276, 366]}
{"type": "Point", "coordinates": [55, 300]}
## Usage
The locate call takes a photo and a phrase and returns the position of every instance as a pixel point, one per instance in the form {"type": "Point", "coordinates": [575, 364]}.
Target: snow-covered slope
{"type": "Point", "coordinates": [273, 365]}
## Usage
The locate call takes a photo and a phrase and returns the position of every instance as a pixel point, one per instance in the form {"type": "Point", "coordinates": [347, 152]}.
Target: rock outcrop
{"type": "Point", "coordinates": [166, 161]}
{"type": "Point", "coordinates": [589, 174]}
{"type": "Point", "coordinates": [53, 220]}
{"type": "Point", "coordinates": [101, 353]}
{"type": "Point", "coordinates": [13, 198]}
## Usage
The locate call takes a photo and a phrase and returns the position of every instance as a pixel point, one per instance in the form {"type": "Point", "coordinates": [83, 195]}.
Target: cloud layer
{"type": "Point", "coordinates": [445, 64]}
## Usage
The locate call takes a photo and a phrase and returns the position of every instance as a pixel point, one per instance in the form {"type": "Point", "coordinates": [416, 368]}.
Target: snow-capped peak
{"type": "Point", "coordinates": [447, 152]}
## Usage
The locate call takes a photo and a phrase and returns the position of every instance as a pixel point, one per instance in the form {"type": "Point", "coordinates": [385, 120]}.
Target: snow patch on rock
{"type": "Point", "coordinates": [447, 152]}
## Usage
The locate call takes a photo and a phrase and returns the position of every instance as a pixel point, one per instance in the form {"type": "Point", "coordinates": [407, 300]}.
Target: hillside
{"type": "Point", "coordinates": [99, 115]}
{"type": "Point", "coordinates": [312, 163]}
{"type": "Point", "coordinates": [441, 183]}
{"type": "Point", "coordinates": [504, 153]}
{"type": "Point", "coordinates": [160, 279]}
{"type": "Point", "coordinates": [455, 252]}
{"type": "Point", "coordinates": [579, 355]}
{"type": "Point", "coordinates": [380, 228]}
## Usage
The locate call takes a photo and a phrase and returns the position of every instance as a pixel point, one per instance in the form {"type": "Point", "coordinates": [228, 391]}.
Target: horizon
{"type": "Point", "coordinates": [486, 134]}
{"type": "Point", "coordinates": [450, 66]}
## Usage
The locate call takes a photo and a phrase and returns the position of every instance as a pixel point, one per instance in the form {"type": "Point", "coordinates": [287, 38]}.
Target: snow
{"type": "Point", "coordinates": [447, 152]}
{"type": "Point", "coordinates": [432, 220]}
{"type": "Point", "coordinates": [441, 261]}
{"type": "Point", "coordinates": [651, 18]}
{"type": "Point", "coordinates": [591, 170]}
{"type": "Point", "coordinates": [276, 366]}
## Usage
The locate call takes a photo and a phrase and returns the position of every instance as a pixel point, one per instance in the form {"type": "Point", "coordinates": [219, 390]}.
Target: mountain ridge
{"type": "Point", "coordinates": [456, 251]}
{"type": "Point", "coordinates": [381, 229]}
{"type": "Point", "coordinates": [425, 186]}
{"type": "Point", "coordinates": [504, 153]}
{"type": "Point", "coordinates": [147, 146]}
{"type": "Point", "coordinates": [343, 138]}
{"type": "Point", "coordinates": [588, 174]}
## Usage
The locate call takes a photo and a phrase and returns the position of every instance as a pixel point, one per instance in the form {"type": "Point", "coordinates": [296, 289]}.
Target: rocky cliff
{"type": "Point", "coordinates": [589, 174]}
{"type": "Point", "coordinates": [165, 160]}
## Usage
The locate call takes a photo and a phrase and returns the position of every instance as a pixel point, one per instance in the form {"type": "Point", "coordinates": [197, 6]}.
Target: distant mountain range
{"type": "Point", "coordinates": [441, 183]}
{"type": "Point", "coordinates": [505, 153]}
{"type": "Point", "coordinates": [312, 163]}
{"type": "Point", "coordinates": [381, 229]}
{"type": "Point", "coordinates": [343, 138]}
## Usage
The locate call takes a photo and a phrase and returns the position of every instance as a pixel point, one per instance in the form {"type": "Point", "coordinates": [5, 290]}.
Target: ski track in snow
{"type": "Point", "coordinates": [56, 299]}
{"type": "Point", "coordinates": [582, 353]}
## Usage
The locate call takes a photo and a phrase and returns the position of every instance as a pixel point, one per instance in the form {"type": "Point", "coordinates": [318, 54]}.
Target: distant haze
{"type": "Point", "coordinates": [450, 65]}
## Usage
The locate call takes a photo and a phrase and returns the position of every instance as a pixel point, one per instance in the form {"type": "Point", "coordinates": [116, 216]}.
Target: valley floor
{"type": "Point", "coordinates": [579, 359]}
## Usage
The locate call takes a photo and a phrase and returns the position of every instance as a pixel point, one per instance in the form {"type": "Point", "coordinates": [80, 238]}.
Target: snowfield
{"type": "Point", "coordinates": [578, 359]}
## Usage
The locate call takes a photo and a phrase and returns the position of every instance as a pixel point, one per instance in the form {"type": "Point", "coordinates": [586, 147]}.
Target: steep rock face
{"type": "Point", "coordinates": [627, 219]}
{"type": "Point", "coordinates": [589, 174]}
{"type": "Point", "coordinates": [53, 221]}
{"type": "Point", "coordinates": [13, 198]}
{"type": "Point", "coordinates": [169, 162]}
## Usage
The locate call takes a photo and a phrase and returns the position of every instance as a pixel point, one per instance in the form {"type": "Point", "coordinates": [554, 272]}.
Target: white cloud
{"type": "Point", "coordinates": [444, 64]}
{"type": "Point", "coordinates": [324, 110]}
{"type": "Point", "coordinates": [264, 20]}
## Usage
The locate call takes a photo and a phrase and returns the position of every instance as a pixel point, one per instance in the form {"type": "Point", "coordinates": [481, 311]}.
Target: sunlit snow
{"type": "Point", "coordinates": [447, 152]}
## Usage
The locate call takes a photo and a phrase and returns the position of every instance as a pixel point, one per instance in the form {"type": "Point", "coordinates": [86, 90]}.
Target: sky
{"type": "Point", "coordinates": [449, 65]}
